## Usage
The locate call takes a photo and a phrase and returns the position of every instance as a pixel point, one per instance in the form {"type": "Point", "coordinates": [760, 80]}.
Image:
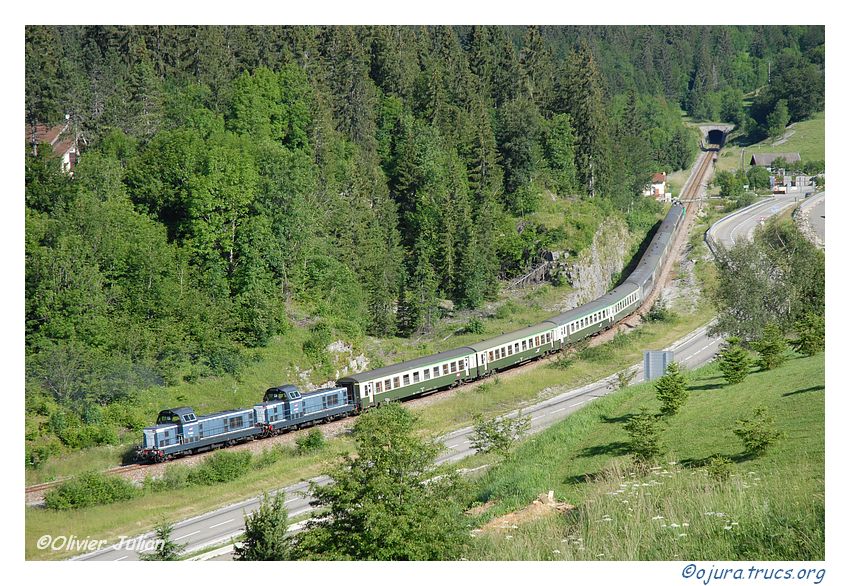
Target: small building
{"type": "Point", "coordinates": [61, 138]}
{"type": "Point", "coordinates": [657, 187]}
{"type": "Point", "coordinates": [766, 159]}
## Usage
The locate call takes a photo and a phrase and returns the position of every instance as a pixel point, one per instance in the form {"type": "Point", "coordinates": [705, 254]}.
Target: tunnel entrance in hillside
{"type": "Point", "coordinates": [716, 137]}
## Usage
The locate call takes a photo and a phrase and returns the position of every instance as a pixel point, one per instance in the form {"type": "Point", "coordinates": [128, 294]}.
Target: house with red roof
{"type": "Point", "coordinates": [61, 138]}
{"type": "Point", "coordinates": [657, 187]}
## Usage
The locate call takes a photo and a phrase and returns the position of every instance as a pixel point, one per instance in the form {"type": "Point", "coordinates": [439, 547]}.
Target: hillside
{"type": "Point", "coordinates": [770, 507]}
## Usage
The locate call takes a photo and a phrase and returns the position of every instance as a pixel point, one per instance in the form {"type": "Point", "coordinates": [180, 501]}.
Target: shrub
{"type": "Point", "coordinates": [220, 467]}
{"type": "Point", "coordinates": [173, 478]}
{"type": "Point", "coordinates": [811, 332]}
{"type": "Point", "coordinates": [659, 312]}
{"type": "Point", "coordinates": [772, 347]}
{"type": "Point", "coordinates": [719, 468]}
{"type": "Point", "coordinates": [89, 489]}
{"type": "Point", "coordinates": [507, 309]}
{"type": "Point", "coordinates": [473, 326]}
{"type": "Point", "coordinates": [734, 362]}
{"type": "Point", "coordinates": [757, 432]}
{"type": "Point", "coordinates": [312, 442]}
{"type": "Point", "coordinates": [644, 436]}
{"type": "Point", "coordinates": [671, 390]}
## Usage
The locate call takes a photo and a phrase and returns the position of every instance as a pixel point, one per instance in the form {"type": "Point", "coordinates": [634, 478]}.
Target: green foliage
{"type": "Point", "coordinates": [772, 347]}
{"type": "Point", "coordinates": [312, 442]}
{"type": "Point", "coordinates": [659, 312]}
{"type": "Point", "coordinates": [778, 119]}
{"type": "Point", "coordinates": [734, 361]}
{"type": "Point", "coordinates": [644, 436]}
{"type": "Point", "coordinates": [88, 490]}
{"type": "Point", "coordinates": [758, 177]}
{"type": "Point", "coordinates": [506, 309]}
{"type": "Point", "coordinates": [474, 326]}
{"type": "Point", "coordinates": [672, 390]}
{"type": "Point", "coordinates": [625, 378]}
{"type": "Point", "coordinates": [719, 468]}
{"type": "Point", "coordinates": [811, 334]}
{"type": "Point", "coordinates": [757, 432]}
{"type": "Point", "coordinates": [379, 506]}
{"type": "Point", "coordinates": [166, 549]}
{"type": "Point", "coordinates": [498, 434]}
{"type": "Point", "coordinates": [778, 278]}
{"type": "Point", "coordinates": [265, 536]}
{"type": "Point", "coordinates": [220, 466]}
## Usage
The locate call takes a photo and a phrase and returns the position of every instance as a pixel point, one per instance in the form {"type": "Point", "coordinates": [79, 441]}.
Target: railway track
{"type": "Point", "coordinates": [689, 197]}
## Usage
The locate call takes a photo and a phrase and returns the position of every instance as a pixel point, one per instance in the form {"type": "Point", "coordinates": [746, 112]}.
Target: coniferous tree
{"type": "Point", "coordinates": [644, 436]}
{"type": "Point", "coordinates": [811, 334]}
{"type": "Point", "coordinates": [166, 549]}
{"type": "Point", "coordinates": [265, 536]}
{"type": "Point", "coordinates": [581, 95]}
{"type": "Point", "coordinates": [734, 361]}
{"type": "Point", "coordinates": [772, 347]}
{"type": "Point", "coordinates": [671, 389]}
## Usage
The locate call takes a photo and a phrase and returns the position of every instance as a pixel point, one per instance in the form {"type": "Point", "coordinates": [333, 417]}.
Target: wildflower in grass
{"type": "Point", "coordinates": [728, 527]}
{"type": "Point", "coordinates": [674, 524]}
{"type": "Point", "coordinates": [657, 518]}
{"type": "Point", "coordinates": [683, 534]}
{"type": "Point", "coordinates": [509, 536]}
{"type": "Point", "coordinates": [556, 551]}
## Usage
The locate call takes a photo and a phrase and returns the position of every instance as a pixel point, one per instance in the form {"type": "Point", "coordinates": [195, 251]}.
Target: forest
{"type": "Point", "coordinates": [362, 174]}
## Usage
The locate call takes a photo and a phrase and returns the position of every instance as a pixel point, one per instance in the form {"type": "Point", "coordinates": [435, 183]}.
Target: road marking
{"type": "Point", "coordinates": [561, 409]}
{"type": "Point", "coordinates": [291, 500]}
{"type": "Point", "coordinates": [222, 523]}
{"type": "Point", "coordinates": [187, 535]}
{"type": "Point", "coordinates": [122, 558]}
{"type": "Point", "coordinates": [538, 417]}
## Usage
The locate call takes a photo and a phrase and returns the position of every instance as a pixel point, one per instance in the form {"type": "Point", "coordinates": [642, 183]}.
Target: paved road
{"type": "Point", "coordinates": [742, 224]}
{"type": "Point", "coordinates": [695, 349]}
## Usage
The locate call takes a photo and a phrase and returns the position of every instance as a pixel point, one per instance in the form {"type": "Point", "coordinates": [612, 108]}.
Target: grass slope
{"type": "Point", "coordinates": [806, 137]}
{"type": "Point", "coordinates": [771, 507]}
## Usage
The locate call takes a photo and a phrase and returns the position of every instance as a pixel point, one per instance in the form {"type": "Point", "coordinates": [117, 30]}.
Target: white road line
{"type": "Point", "coordinates": [561, 409]}
{"type": "Point", "coordinates": [291, 500]}
{"type": "Point", "coordinates": [187, 535]}
{"type": "Point", "coordinates": [455, 445]}
{"type": "Point", "coordinates": [222, 523]}
{"type": "Point", "coordinates": [538, 417]}
{"type": "Point", "coordinates": [122, 558]}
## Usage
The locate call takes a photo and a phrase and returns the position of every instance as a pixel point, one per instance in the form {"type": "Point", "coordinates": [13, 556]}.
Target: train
{"type": "Point", "coordinates": [179, 431]}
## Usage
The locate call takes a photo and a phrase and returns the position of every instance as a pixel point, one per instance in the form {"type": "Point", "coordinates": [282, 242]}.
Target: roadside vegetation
{"type": "Point", "coordinates": [706, 493]}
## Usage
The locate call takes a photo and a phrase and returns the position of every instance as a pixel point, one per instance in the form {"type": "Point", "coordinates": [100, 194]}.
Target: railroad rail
{"type": "Point", "coordinates": [689, 195]}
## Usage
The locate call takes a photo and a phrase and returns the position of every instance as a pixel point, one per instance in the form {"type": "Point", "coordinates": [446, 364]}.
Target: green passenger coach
{"type": "Point", "coordinates": [414, 377]}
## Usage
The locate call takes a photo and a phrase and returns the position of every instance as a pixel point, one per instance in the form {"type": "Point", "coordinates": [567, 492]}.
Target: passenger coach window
{"type": "Point", "coordinates": [426, 374]}
{"type": "Point", "coordinates": [445, 369]}
{"type": "Point", "coordinates": [378, 387]}
{"type": "Point", "coordinates": [436, 371]}
{"type": "Point", "coordinates": [416, 376]}
{"type": "Point", "coordinates": [406, 379]}
{"type": "Point", "coordinates": [388, 384]}
{"type": "Point", "coordinates": [395, 382]}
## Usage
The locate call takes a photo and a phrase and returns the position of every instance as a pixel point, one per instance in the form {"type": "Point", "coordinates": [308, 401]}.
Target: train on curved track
{"type": "Point", "coordinates": [180, 431]}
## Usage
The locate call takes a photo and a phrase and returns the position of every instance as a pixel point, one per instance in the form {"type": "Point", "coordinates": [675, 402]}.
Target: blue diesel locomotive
{"type": "Point", "coordinates": [179, 431]}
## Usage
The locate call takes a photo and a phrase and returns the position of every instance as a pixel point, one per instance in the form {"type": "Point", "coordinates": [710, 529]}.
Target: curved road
{"type": "Point", "coordinates": [695, 349]}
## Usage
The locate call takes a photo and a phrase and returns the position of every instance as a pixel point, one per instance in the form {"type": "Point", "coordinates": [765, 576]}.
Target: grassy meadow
{"type": "Point", "coordinates": [770, 507]}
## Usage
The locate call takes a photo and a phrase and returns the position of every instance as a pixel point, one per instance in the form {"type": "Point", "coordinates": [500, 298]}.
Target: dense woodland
{"type": "Point", "coordinates": [362, 174]}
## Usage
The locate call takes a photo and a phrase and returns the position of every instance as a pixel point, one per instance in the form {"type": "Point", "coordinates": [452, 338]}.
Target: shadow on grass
{"type": "Point", "coordinates": [703, 462]}
{"type": "Point", "coordinates": [809, 390]}
{"type": "Point", "coordinates": [708, 387]}
{"type": "Point", "coordinates": [611, 449]}
{"type": "Point", "coordinates": [620, 419]}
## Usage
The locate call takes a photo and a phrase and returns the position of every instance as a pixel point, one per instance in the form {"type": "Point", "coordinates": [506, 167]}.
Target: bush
{"type": "Point", "coordinates": [757, 432]}
{"type": "Point", "coordinates": [38, 453]}
{"type": "Point", "coordinates": [220, 467]}
{"type": "Point", "coordinates": [719, 468]}
{"type": "Point", "coordinates": [671, 390]}
{"type": "Point", "coordinates": [659, 312]}
{"type": "Point", "coordinates": [473, 326]}
{"type": "Point", "coordinates": [772, 348]}
{"type": "Point", "coordinates": [507, 309]}
{"type": "Point", "coordinates": [87, 490]}
{"type": "Point", "coordinates": [173, 478]}
{"type": "Point", "coordinates": [644, 436]}
{"type": "Point", "coordinates": [734, 361]}
{"type": "Point", "coordinates": [312, 442]}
